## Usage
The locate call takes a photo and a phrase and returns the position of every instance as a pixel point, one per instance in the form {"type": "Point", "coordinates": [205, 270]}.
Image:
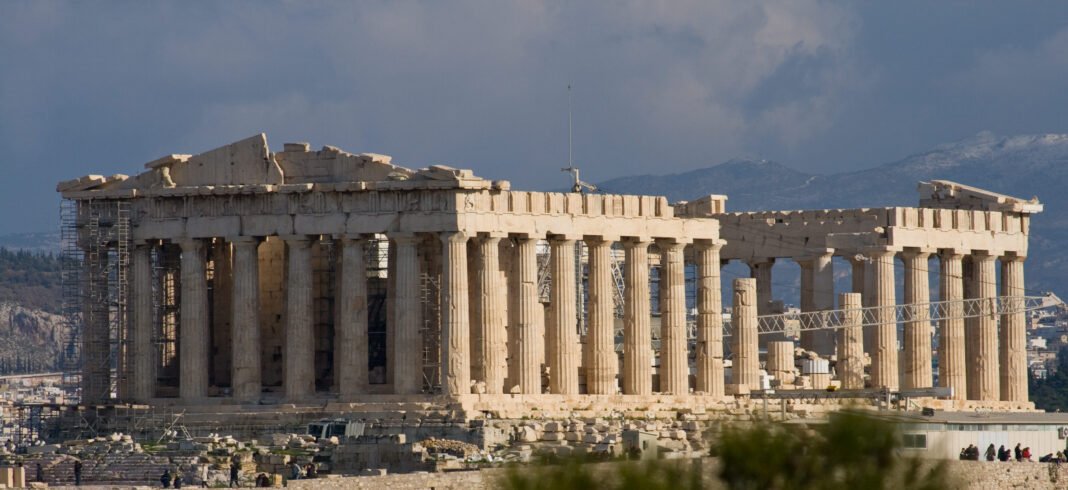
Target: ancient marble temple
{"type": "Point", "coordinates": [242, 275]}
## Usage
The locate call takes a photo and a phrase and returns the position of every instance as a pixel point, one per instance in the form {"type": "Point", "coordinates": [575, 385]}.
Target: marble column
{"type": "Point", "coordinates": [760, 269]}
{"type": "Point", "coordinates": [491, 305]}
{"type": "Point", "coordinates": [96, 333]}
{"type": "Point", "coordinates": [600, 357]}
{"type": "Point", "coordinates": [407, 312]}
{"type": "Point", "coordinates": [563, 320]}
{"type": "Point", "coordinates": [918, 371]}
{"type": "Point", "coordinates": [781, 361]}
{"type": "Point", "coordinates": [246, 376]}
{"type": "Point", "coordinates": [674, 365]}
{"type": "Point", "coordinates": [951, 350]}
{"type": "Point", "coordinates": [851, 343]}
{"type": "Point", "coordinates": [817, 294]}
{"type": "Point", "coordinates": [857, 265]}
{"type": "Point", "coordinates": [709, 319]}
{"type": "Point", "coordinates": [746, 367]}
{"type": "Point", "coordinates": [884, 364]}
{"type": "Point", "coordinates": [1013, 353]}
{"type": "Point", "coordinates": [193, 332]}
{"type": "Point", "coordinates": [299, 350]}
{"type": "Point", "coordinates": [222, 295]}
{"type": "Point", "coordinates": [530, 343]}
{"type": "Point", "coordinates": [983, 377]}
{"type": "Point", "coordinates": [637, 334]}
{"type": "Point", "coordinates": [350, 333]}
{"type": "Point", "coordinates": [455, 329]}
{"type": "Point", "coordinates": [142, 352]}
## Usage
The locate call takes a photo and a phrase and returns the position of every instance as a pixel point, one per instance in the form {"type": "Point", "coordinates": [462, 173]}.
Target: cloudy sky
{"type": "Point", "coordinates": [658, 87]}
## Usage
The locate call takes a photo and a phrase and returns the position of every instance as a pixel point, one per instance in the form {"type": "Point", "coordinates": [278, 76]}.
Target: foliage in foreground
{"type": "Point", "coordinates": [851, 451]}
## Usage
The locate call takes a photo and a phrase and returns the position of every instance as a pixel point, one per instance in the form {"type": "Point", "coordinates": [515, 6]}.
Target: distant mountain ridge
{"type": "Point", "coordinates": [1021, 166]}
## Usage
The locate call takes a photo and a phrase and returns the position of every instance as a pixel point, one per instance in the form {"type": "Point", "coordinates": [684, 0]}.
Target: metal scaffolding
{"type": "Point", "coordinates": [95, 254]}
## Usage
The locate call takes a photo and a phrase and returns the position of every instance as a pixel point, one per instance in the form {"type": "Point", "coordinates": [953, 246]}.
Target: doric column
{"type": "Point", "coordinates": [350, 333]}
{"type": "Point", "coordinates": [455, 329]}
{"type": "Point", "coordinates": [637, 336]}
{"type": "Point", "coordinates": [983, 378]}
{"type": "Point", "coordinates": [491, 305]}
{"type": "Point", "coordinates": [857, 264]}
{"type": "Point", "coordinates": [601, 361]}
{"type": "Point", "coordinates": [193, 334]}
{"type": "Point", "coordinates": [746, 367]}
{"type": "Point", "coordinates": [817, 294]}
{"type": "Point", "coordinates": [407, 344]}
{"type": "Point", "coordinates": [884, 369]}
{"type": "Point", "coordinates": [951, 350]}
{"type": "Point", "coordinates": [1013, 353]}
{"type": "Point", "coordinates": [674, 366]}
{"type": "Point", "coordinates": [760, 269]}
{"type": "Point", "coordinates": [246, 377]}
{"type": "Point", "coordinates": [142, 354]}
{"type": "Point", "coordinates": [563, 319]}
{"type": "Point", "coordinates": [222, 295]}
{"type": "Point", "coordinates": [918, 327]}
{"type": "Point", "coordinates": [299, 351]}
{"type": "Point", "coordinates": [709, 319]}
{"type": "Point", "coordinates": [530, 344]}
{"type": "Point", "coordinates": [780, 362]}
{"type": "Point", "coordinates": [850, 343]}
{"type": "Point", "coordinates": [96, 333]}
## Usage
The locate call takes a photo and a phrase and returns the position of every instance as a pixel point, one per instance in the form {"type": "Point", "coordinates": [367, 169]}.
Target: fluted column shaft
{"type": "Point", "coordinates": [1013, 353]}
{"type": "Point", "coordinates": [142, 368]}
{"type": "Point", "coordinates": [918, 372]}
{"type": "Point", "coordinates": [492, 315]}
{"type": "Point", "coordinates": [674, 367]}
{"type": "Point", "coordinates": [530, 344]}
{"type": "Point", "coordinates": [601, 361]}
{"type": "Point", "coordinates": [851, 343]}
{"type": "Point", "coordinates": [563, 320]}
{"type": "Point", "coordinates": [761, 271]}
{"type": "Point", "coordinates": [637, 336]}
{"type": "Point", "coordinates": [193, 334]}
{"type": "Point", "coordinates": [351, 331]}
{"type": "Point", "coordinates": [884, 368]}
{"type": "Point", "coordinates": [709, 319]}
{"type": "Point", "coordinates": [817, 294]}
{"type": "Point", "coordinates": [246, 376]}
{"type": "Point", "coordinates": [407, 313]}
{"type": "Point", "coordinates": [455, 329]}
{"type": "Point", "coordinates": [983, 378]}
{"type": "Point", "coordinates": [951, 350]}
{"type": "Point", "coordinates": [299, 349]}
{"type": "Point", "coordinates": [746, 367]}
{"type": "Point", "coordinates": [856, 277]}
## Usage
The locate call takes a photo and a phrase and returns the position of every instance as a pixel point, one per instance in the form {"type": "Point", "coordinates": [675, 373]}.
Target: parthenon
{"type": "Point", "coordinates": [240, 275]}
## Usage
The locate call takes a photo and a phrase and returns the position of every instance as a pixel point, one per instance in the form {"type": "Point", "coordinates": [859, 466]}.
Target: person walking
{"type": "Point", "coordinates": [991, 453]}
{"type": "Point", "coordinates": [77, 472]}
{"type": "Point", "coordinates": [1016, 452]}
{"type": "Point", "coordinates": [235, 473]}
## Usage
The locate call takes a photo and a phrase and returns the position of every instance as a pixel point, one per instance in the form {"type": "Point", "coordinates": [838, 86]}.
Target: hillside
{"type": "Point", "coordinates": [1023, 166]}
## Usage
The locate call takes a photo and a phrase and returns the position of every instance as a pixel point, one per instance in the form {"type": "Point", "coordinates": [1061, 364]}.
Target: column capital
{"type": "Point", "coordinates": [880, 251]}
{"type": "Point", "coordinates": [405, 237]}
{"type": "Point", "coordinates": [296, 240]}
{"type": "Point", "coordinates": [709, 244]}
{"type": "Point", "coordinates": [812, 255]}
{"type": "Point", "coordinates": [918, 253]}
{"type": "Point", "coordinates": [952, 253]}
{"type": "Point", "coordinates": [145, 242]}
{"type": "Point", "coordinates": [632, 242]}
{"type": "Point", "coordinates": [669, 241]}
{"type": "Point", "coordinates": [564, 237]}
{"type": "Point", "coordinates": [984, 255]}
{"type": "Point", "coordinates": [349, 238]}
{"type": "Point", "coordinates": [1013, 257]}
{"type": "Point", "coordinates": [755, 261]}
{"type": "Point", "coordinates": [190, 243]}
{"type": "Point", "coordinates": [595, 240]}
{"type": "Point", "coordinates": [453, 237]}
{"type": "Point", "coordinates": [245, 239]}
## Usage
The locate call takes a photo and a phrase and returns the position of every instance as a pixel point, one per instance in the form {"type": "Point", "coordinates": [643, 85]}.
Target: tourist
{"type": "Point", "coordinates": [963, 454]}
{"type": "Point", "coordinates": [177, 480]}
{"type": "Point", "coordinates": [991, 453]}
{"type": "Point", "coordinates": [77, 472]}
{"type": "Point", "coordinates": [235, 472]}
{"type": "Point", "coordinates": [1017, 453]}
{"type": "Point", "coordinates": [1003, 454]}
{"type": "Point", "coordinates": [1059, 458]}
{"type": "Point", "coordinates": [165, 478]}
{"type": "Point", "coordinates": [311, 471]}
{"type": "Point", "coordinates": [262, 480]}
{"type": "Point", "coordinates": [295, 471]}
{"type": "Point", "coordinates": [40, 473]}
{"type": "Point", "coordinates": [1027, 454]}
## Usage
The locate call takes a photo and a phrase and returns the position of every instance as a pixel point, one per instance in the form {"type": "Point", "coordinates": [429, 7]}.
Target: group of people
{"type": "Point", "coordinates": [296, 472]}
{"type": "Point", "coordinates": [1004, 454]}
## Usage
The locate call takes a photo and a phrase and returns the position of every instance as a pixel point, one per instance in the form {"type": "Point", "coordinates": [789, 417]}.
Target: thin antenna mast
{"type": "Point", "coordinates": [577, 185]}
